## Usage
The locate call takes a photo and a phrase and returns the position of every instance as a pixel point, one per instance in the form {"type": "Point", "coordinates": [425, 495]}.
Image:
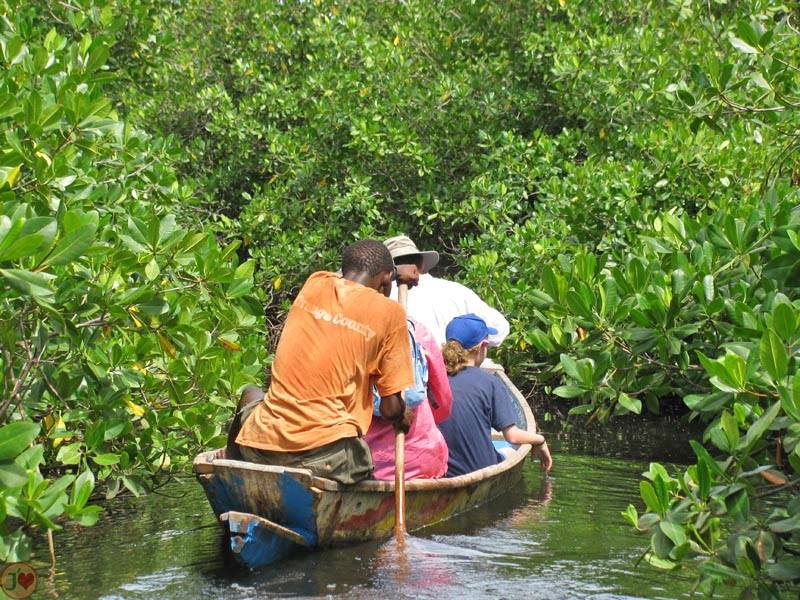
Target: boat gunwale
{"type": "Point", "coordinates": [207, 463]}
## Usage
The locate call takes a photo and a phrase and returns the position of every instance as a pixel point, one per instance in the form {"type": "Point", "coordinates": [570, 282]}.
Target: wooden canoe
{"type": "Point", "coordinates": [269, 512]}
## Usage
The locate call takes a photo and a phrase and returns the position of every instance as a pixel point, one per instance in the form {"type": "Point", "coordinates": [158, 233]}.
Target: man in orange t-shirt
{"type": "Point", "coordinates": [342, 335]}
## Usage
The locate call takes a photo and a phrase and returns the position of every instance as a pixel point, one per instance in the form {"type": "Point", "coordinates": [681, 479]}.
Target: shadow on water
{"type": "Point", "coordinates": [557, 538]}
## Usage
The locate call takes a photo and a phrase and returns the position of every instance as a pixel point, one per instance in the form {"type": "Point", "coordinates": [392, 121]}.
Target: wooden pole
{"type": "Point", "coordinates": [399, 454]}
{"type": "Point", "coordinates": [52, 548]}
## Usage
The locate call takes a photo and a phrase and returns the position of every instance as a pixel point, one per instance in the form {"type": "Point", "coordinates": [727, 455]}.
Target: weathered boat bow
{"type": "Point", "coordinates": [269, 512]}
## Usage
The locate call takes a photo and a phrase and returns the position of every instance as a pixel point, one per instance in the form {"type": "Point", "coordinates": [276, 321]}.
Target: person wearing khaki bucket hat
{"type": "Point", "coordinates": [434, 301]}
{"type": "Point", "coordinates": [401, 247]}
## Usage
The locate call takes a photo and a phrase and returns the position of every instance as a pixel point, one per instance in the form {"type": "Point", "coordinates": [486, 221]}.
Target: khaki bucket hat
{"type": "Point", "coordinates": [401, 245]}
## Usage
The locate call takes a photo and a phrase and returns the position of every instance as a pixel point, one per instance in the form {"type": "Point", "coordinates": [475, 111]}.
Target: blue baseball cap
{"type": "Point", "coordinates": [468, 330]}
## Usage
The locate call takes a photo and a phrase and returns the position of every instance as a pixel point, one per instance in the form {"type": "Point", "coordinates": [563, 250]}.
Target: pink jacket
{"type": "Point", "coordinates": [425, 448]}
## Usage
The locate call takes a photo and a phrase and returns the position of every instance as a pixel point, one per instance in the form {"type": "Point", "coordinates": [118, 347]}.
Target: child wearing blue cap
{"type": "Point", "coordinates": [480, 402]}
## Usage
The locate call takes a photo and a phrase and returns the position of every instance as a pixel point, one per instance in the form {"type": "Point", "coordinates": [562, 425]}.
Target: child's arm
{"type": "Point", "coordinates": [515, 435]}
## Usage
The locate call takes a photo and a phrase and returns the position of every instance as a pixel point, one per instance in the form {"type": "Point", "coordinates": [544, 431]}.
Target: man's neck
{"type": "Point", "coordinates": [361, 278]}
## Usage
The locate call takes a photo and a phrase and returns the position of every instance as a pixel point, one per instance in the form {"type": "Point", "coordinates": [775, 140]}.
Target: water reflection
{"type": "Point", "coordinates": [424, 566]}
{"type": "Point", "coordinates": [557, 537]}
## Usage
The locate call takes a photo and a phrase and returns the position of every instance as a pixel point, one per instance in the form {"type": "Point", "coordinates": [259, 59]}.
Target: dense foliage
{"type": "Point", "coordinates": [620, 178]}
{"type": "Point", "coordinates": [119, 328]}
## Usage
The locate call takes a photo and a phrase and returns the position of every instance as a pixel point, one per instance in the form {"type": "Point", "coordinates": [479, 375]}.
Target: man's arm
{"type": "Point", "coordinates": [394, 370]}
{"type": "Point", "coordinates": [393, 409]}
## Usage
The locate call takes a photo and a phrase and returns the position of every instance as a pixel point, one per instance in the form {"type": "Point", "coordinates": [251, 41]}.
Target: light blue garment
{"type": "Point", "coordinates": [414, 396]}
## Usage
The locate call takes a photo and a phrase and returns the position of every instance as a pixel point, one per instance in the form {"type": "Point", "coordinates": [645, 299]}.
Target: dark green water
{"type": "Point", "coordinates": [561, 538]}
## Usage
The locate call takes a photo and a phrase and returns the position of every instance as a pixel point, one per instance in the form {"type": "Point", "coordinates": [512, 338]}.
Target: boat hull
{"type": "Point", "coordinates": [270, 512]}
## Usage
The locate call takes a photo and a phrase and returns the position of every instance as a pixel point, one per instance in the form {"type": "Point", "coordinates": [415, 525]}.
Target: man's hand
{"type": "Point", "coordinates": [404, 424]}
{"type": "Point", "coordinates": [408, 274]}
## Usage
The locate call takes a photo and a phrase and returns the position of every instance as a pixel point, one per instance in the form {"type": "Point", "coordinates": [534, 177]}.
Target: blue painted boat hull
{"type": "Point", "coordinates": [271, 512]}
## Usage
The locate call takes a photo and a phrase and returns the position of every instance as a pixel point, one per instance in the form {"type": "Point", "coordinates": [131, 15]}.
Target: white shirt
{"type": "Point", "coordinates": [435, 302]}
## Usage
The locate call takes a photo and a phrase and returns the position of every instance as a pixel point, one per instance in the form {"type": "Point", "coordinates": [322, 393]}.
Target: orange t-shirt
{"type": "Point", "coordinates": [340, 337]}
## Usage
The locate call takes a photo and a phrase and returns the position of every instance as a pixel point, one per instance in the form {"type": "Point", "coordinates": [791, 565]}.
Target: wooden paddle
{"type": "Point", "coordinates": [399, 454]}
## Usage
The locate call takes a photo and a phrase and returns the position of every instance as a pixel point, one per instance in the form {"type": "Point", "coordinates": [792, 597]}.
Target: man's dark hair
{"type": "Point", "coordinates": [367, 256]}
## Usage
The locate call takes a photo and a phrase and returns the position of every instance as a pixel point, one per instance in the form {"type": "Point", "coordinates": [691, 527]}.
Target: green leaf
{"type": "Point", "coordinates": [569, 391]}
{"type": "Point", "coordinates": [649, 496]}
{"type": "Point", "coordinates": [97, 57]}
{"type": "Point", "coordinates": [154, 307]}
{"type": "Point", "coordinates": [169, 232]}
{"type": "Point", "coordinates": [715, 569]}
{"type": "Point", "coordinates": [239, 287]}
{"type": "Point", "coordinates": [719, 439]}
{"type": "Point", "coordinates": [662, 492]}
{"type": "Point", "coordinates": [786, 525]}
{"type": "Point", "coordinates": [713, 368]}
{"type": "Point", "coordinates": [688, 100]}
{"type": "Point", "coordinates": [747, 32]}
{"type": "Point", "coordinates": [37, 233]}
{"type": "Point", "coordinates": [788, 404]}
{"type": "Point", "coordinates": [82, 489]}
{"type": "Point", "coordinates": [69, 454]}
{"type": "Point", "coordinates": [16, 437]}
{"type": "Point", "coordinates": [106, 459]}
{"type": "Point", "coordinates": [14, 547]}
{"type": "Point", "coordinates": [647, 521]}
{"type": "Point", "coordinates": [741, 45]}
{"type": "Point", "coordinates": [12, 476]}
{"type": "Point", "coordinates": [8, 175]}
{"type": "Point", "coordinates": [708, 287]}
{"type": "Point", "coordinates": [245, 270]}
{"type": "Point", "coordinates": [88, 516]}
{"type": "Point", "coordinates": [674, 532]}
{"type": "Point", "coordinates": [784, 321]}
{"type": "Point", "coordinates": [550, 282]}
{"type": "Point", "coordinates": [703, 479]}
{"type": "Point", "coordinates": [9, 106]}
{"type": "Point", "coordinates": [758, 428]}
{"type": "Point", "coordinates": [9, 231]}
{"type": "Point", "coordinates": [31, 458]}
{"type": "Point", "coordinates": [634, 405]}
{"type": "Point", "coordinates": [773, 355]}
{"type": "Point", "coordinates": [30, 283]}
{"type": "Point", "coordinates": [736, 369]}
{"type": "Point", "coordinates": [631, 515]}
{"type": "Point", "coordinates": [730, 428]}
{"type": "Point", "coordinates": [796, 387]}
{"type": "Point", "coordinates": [722, 386]}
{"type": "Point", "coordinates": [152, 270]}
{"type": "Point", "coordinates": [570, 366]}
{"type": "Point", "coordinates": [133, 484]}
{"type": "Point", "coordinates": [660, 563]}
{"type": "Point", "coordinates": [662, 546]}
{"type": "Point", "coordinates": [72, 245]}
{"type": "Point", "coordinates": [784, 570]}
{"type": "Point", "coordinates": [133, 245]}
{"type": "Point", "coordinates": [578, 305]}
{"type": "Point", "coordinates": [738, 505]}
{"type": "Point", "coordinates": [794, 237]}
{"type": "Point", "coordinates": [703, 455]}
